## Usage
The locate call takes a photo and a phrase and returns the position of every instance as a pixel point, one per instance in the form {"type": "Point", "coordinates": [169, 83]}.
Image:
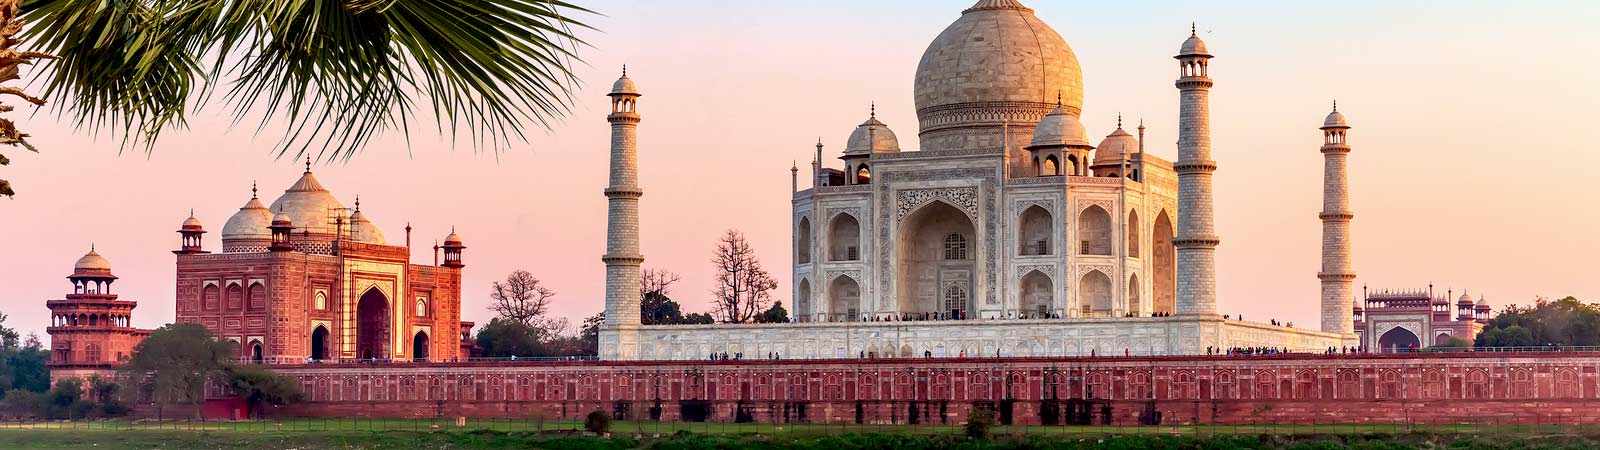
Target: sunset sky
{"type": "Point", "coordinates": [1472, 164]}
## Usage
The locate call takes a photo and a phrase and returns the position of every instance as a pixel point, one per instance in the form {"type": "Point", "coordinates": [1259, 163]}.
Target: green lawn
{"type": "Point", "coordinates": [346, 434]}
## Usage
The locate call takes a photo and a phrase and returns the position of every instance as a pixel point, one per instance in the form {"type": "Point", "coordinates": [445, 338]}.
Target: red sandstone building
{"type": "Point", "coordinates": [91, 331]}
{"type": "Point", "coordinates": [309, 279]}
{"type": "Point", "coordinates": [1405, 320]}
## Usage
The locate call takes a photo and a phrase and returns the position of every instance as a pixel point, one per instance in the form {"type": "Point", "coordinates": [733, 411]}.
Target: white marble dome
{"type": "Point", "coordinates": [996, 56]}
{"type": "Point", "coordinates": [308, 205]}
{"type": "Point", "coordinates": [1335, 120]}
{"type": "Point", "coordinates": [624, 86]}
{"type": "Point", "coordinates": [871, 136]}
{"type": "Point", "coordinates": [249, 223]}
{"type": "Point", "coordinates": [364, 230]}
{"type": "Point", "coordinates": [1059, 129]}
{"type": "Point", "coordinates": [1193, 46]}
{"type": "Point", "coordinates": [1114, 145]}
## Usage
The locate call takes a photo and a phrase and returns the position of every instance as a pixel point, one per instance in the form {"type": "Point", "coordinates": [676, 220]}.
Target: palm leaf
{"type": "Point", "coordinates": [338, 73]}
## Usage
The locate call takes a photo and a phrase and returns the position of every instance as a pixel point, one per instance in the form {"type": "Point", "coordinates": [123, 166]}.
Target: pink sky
{"type": "Point", "coordinates": [1471, 163]}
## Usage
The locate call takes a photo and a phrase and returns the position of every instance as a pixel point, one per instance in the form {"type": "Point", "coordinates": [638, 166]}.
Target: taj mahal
{"type": "Point", "coordinates": [1008, 233]}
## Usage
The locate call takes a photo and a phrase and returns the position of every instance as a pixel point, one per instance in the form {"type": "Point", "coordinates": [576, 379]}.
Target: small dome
{"type": "Point", "coordinates": [282, 220]}
{"type": "Point", "coordinates": [1059, 129]}
{"type": "Point", "coordinates": [1114, 145]}
{"type": "Point", "coordinates": [191, 223]}
{"type": "Point", "coordinates": [308, 205]}
{"type": "Point", "coordinates": [871, 136]}
{"type": "Point", "coordinates": [1465, 299]}
{"type": "Point", "coordinates": [453, 239]}
{"type": "Point", "coordinates": [624, 85]}
{"type": "Point", "coordinates": [249, 223]}
{"type": "Point", "coordinates": [364, 230]}
{"type": "Point", "coordinates": [1483, 302]}
{"type": "Point", "coordinates": [1193, 47]}
{"type": "Point", "coordinates": [1335, 120]}
{"type": "Point", "coordinates": [92, 261]}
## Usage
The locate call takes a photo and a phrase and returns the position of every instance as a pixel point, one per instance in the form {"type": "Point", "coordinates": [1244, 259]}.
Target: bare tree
{"type": "Point", "coordinates": [656, 281]}
{"type": "Point", "coordinates": [522, 299]}
{"type": "Point", "coordinates": [743, 287]}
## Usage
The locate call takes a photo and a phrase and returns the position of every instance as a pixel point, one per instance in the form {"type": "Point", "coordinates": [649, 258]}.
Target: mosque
{"type": "Point", "coordinates": [307, 279]}
{"type": "Point", "coordinates": [1008, 233]}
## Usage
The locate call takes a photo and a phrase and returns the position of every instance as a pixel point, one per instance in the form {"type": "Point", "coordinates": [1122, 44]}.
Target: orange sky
{"type": "Point", "coordinates": [1470, 166]}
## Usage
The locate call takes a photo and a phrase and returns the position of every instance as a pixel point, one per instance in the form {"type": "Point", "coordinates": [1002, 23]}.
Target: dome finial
{"type": "Point", "coordinates": [874, 113]}
{"type": "Point", "coordinates": [308, 163]}
{"type": "Point", "coordinates": [358, 202]}
{"type": "Point", "coordinates": [1193, 30]}
{"type": "Point", "coordinates": [1058, 99]}
{"type": "Point", "coordinates": [1119, 120]}
{"type": "Point", "coordinates": [191, 213]}
{"type": "Point", "coordinates": [1335, 105]}
{"type": "Point", "coordinates": [252, 188]}
{"type": "Point", "coordinates": [624, 70]}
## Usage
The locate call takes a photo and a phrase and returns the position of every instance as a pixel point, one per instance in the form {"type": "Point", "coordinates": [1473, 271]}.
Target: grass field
{"type": "Point", "coordinates": [348, 434]}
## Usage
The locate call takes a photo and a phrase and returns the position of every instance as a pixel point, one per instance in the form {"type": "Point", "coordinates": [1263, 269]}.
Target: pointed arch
{"type": "Point", "coordinates": [844, 299]}
{"type": "Point", "coordinates": [934, 249]}
{"type": "Point", "coordinates": [319, 343]}
{"type": "Point", "coordinates": [1094, 231]}
{"type": "Point", "coordinates": [372, 325]}
{"type": "Point", "coordinates": [419, 346]}
{"type": "Point", "coordinates": [803, 241]}
{"type": "Point", "coordinates": [1036, 294]}
{"type": "Point", "coordinates": [1094, 294]}
{"type": "Point", "coordinates": [1133, 233]}
{"type": "Point", "coordinates": [863, 174]}
{"type": "Point", "coordinates": [256, 297]}
{"type": "Point", "coordinates": [1398, 340]}
{"type": "Point", "coordinates": [844, 238]}
{"type": "Point", "coordinates": [1050, 167]}
{"type": "Point", "coordinates": [1135, 298]}
{"type": "Point", "coordinates": [1034, 229]}
{"type": "Point", "coordinates": [235, 296]}
{"type": "Point", "coordinates": [1164, 266]}
{"type": "Point", "coordinates": [802, 300]}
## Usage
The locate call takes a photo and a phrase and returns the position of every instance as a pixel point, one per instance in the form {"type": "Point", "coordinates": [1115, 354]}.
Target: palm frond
{"type": "Point", "coordinates": [339, 73]}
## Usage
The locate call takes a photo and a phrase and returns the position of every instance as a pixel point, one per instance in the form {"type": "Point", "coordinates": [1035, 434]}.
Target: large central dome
{"type": "Point", "coordinates": [998, 63]}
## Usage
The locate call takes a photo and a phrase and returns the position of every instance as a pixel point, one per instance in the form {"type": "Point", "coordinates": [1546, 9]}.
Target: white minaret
{"type": "Point", "coordinates": [619, 337]}
{"type": "Point", "coordinates": [1336, 275]}
{"type": "Point", "coordinates": [1197, 240]}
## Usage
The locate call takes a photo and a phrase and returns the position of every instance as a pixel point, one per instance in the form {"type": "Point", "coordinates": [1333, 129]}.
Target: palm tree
{"type": "Point", "coordinates": [338, 73]}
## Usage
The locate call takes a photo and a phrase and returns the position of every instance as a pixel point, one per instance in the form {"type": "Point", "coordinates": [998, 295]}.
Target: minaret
{"type": "Point", "coordinates": [1197, 240]}
{"type": "Point", "coordinates": [619, 337]}
{"type": "Point", "coordinates": [1336, 275]}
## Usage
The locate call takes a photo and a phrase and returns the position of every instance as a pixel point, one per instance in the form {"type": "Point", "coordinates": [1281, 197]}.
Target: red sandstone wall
{"type": "Point", "coordinates": [1448, 388]}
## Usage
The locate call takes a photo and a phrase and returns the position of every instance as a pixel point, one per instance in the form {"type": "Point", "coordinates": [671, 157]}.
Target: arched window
{"type": "Point", "coordinates": [321, 301]}
{"type": "Point", "coordinates": [1094, 232]}
{"type": "Point", "coordinates": [955, 298]}
{"type": "Point", "coordinates": [235, 297]}
{"type": "Point", "coordinates": [1033, 232]}
{"type": "Point", "coordinates": [1050, 167]}
{"type": "Point", "coordinates": [210, 296]}
{"type": "Point", "coordinates": [422, 307]}
{"type": "Point", "coordinates": [863, 175]}
{"type": "Point", "coordinates": [1133, 234]}
{"type": "Point", "coordinates": [955, 247]}
{"type": "Point", "coordinates": [803, 241]}
{"type": "Point", "coordinates": [258, 296]}
{"type": "Point", "coordinates": [844, 238]}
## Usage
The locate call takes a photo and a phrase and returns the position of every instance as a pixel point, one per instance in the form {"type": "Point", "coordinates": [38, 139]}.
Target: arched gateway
{"type": "Point", "coordinates": [372, 325]}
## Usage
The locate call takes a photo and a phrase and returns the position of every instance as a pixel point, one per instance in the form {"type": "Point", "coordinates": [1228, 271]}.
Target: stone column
{"type": "Point", "coordinates": [619, 337]}
{"type": "Point", "coordinates": [1196, 240]}
{"type": "Point", "coordinates": [1336, 275]}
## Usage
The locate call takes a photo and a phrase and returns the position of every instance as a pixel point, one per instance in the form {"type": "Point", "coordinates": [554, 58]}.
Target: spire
{"type": "Point", "coordinates": [1335, 105]}
{"type": "Point", "coordinates": [252, 188]}
{"type": "Point", "coordinates": [1119, 120]}
{"type": "Point", "coordinates": [874, 114]}
{"type": "Point", "coordinates": [358, 202]}
{"type": "Point", "coordinates": [191, 213]}
{"type": "Point", "coordinates": [1193, 30]}
{"type": "Point", "coordinates": [624, 70]}
{"type": "Point", "coordinates": [308, 163]}
{"type": "Point", "coordinates": [1058, 99]}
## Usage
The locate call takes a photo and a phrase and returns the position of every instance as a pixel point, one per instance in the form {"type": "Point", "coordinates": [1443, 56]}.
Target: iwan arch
{"type": "Point", "coordinates": [1008, 233]}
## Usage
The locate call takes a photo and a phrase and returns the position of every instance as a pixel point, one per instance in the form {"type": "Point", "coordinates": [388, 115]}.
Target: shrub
{"type": "Point", "coordinates": [979, 421]}
{"type": "Point", "coordinates": [597, 421]}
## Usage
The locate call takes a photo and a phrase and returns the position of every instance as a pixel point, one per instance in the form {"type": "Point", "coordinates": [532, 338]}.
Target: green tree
{"type": "Point", "coordinates": [22, 362]}
{"type": "Point", "coordinates": [775, 314]}
{"type": "Point", "coordinates": [503, 338]}
{"type": "Point", "coordinates": [1562, 322]}
{"type": "Point", "coordinates": [260, 387]}
{"type": "Point", "coordinates": [339, 73]}
{"type": "Point", "coordinates": [698, 319]}
{"type": "Point", "coordinates": [177, 360]}
{"type": "Point", "coordinates": [589, 335]}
